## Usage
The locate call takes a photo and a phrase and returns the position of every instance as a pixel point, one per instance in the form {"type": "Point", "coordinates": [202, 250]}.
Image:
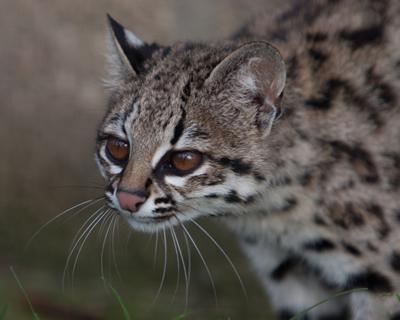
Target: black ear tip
{"type": "Point", "coordinates": [116, 27]}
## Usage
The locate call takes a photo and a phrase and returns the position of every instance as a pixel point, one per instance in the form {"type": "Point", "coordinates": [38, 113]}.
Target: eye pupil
{"type": "Point", "coordinates": [117, 149]}
{"type": "Point", "coordinates": [186, 160]}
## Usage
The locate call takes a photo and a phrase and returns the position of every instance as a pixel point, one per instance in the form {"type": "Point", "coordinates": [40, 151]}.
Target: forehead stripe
{"type": "Point", "coordinates": [179, 128]}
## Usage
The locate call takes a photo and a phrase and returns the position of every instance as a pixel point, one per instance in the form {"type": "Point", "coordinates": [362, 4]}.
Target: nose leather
{"type": "Point", "coordinates": [130, 201]}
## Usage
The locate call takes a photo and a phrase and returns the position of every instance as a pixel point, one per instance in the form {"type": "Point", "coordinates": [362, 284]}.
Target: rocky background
{"type": "Point", "coordinates": [51, 100]}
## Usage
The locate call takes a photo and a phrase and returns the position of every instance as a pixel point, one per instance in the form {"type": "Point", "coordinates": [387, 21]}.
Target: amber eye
{"type": "Point", "coordinates": [186, 160]}
{"type": "Point", "coordinates": [117, 149]}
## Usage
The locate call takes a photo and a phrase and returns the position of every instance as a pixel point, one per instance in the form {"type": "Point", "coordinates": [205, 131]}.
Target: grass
{"type": "Point", "coordinates": [3, 311]}
{"type": "Point", "coordinates": [34, 314]}
{"type": "Point", "coordinates": [337, 295]}
{"type": "Point", "coordinates": [119, 299]}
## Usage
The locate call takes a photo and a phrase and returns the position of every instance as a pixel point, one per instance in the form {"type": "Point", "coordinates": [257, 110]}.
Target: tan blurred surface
{"type": "Point", "coordinates": [51, 100]}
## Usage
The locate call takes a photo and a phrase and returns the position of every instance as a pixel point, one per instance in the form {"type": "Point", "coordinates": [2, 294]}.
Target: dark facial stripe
{"type": "Point", "coordinates": [319, 245]}
{"type": "Point", "coordinates": [163, 210]}
{"type": "Point", "coordinates": [179, 128]}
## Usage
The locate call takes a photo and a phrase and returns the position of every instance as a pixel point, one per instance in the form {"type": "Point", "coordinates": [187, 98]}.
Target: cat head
{"type": "Point", "coordinates": [187, 128]}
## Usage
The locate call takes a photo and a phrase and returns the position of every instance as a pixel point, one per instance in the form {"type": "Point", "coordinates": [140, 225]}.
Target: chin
{"type": "Point", "coordinates": [153, 224]}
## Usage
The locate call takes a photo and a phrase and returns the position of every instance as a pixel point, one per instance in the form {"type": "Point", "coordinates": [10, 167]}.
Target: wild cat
{"type": "Point", "coordinates": [290, 131]}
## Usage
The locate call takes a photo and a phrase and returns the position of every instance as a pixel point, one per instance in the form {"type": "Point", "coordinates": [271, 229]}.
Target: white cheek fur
{"type": "Point", "coordinates": [181, 181]}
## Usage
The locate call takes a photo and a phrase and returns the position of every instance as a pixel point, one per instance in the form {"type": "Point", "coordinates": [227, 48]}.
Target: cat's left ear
{"type": "Point", "coordinates": [258, 74]}
{"type": "Point", "coordinates": [127, 53]}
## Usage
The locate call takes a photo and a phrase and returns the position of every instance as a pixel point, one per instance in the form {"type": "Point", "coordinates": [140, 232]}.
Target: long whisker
{"type": "Point", "coordinates": [223, 253]}
{"type": "Point", "coordinates": [109, 219]}
{"type": "Point", "coordinates": [113, 248]}
{"type": "Point", "coordinates": [88, 202]}
{"type": "Point", "coordinates": [189, 268]}
{"type": "Point", "coordinates": [183, 266]}
{"type": "Point", "coordinates": [155, 250]}
{"type": "Point", "coordinates": [202, 259]}
{"type": "Point", "coordinates": [88, 233]}
{"type": "Point", "coordinates": [164, 267]}
{"type": "Point", "coordinates": [75, 243]}
{"type": "Point", "coordinates": [177, 264]}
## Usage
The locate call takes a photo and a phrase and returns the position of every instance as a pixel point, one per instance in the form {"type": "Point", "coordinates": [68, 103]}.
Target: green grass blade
{"type": "Point", "coordinates": [34, 314]}
{"type": "Point", "coordinates": [337, 295]}
{"type": "Point", "coordinates": [180, 317]}
{"type": "Point", "coordinates": [3, 312]}
{"type": "Point", "coordinates": [119, 299]}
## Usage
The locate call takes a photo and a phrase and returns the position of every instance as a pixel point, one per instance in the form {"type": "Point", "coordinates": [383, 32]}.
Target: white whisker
{"type": "Point", "coordinates": [202, 259]}
{"type": "Point", "coordinates": [88, 233]}
{"type": "Point", "coordinates": [177, 264]}
{"type": "Point", "coordinates": [75, 243]}
{"type": "Point", "coordinates": [88, 202]}
{"type": "Point", "coordinates": [164, 267]}
{"type": "Point", "coordinates": [183, 266]}
{"type": "Point", "coordinates": [110, 218]}
{"type": "Point", "coordinates": [223, 253]}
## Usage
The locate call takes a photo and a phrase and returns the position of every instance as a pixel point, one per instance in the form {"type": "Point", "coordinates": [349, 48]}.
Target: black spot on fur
{"type": "Point", "coordinates": [232, 197]}
{"type": "Point", "coordinates": [305, 179]}
{"type": "Point", "coordinates": [381, 89]}
{"type": "Point", "coordinates": [319, 245]}
{"type": "Point", "coordinates": [371, 279]}
{"type": "Point", "coordinates": [362, 37]}
{"type": "Point", "coordinates": [287, 315]}
{"type": "Point", "coordinates": [179, 128]}
{"type": "Point", "coordinates": [360, 159]}
{"type": "Point", "coordinates": [284, 268]}
{"type": "Point", "coordinates": [323, 102]}
{"type": "Point", "coordinates": [290, 203]}
{"type": "Point", "coordinates": [318, 56]}
{"type": "Point", "coordinates": [319, 221]}
{"type": "Point", "coordinates": [237, 165]}
{"type": "Point", "coordinates": [249, 199]}
{"type": "Point", "coordinates": [355, 216]}
{"type": "Point", "coordinates": [292, 67]}
{"type": "Point", "coordinates": [377, 211]}
{"type": "Point", "coordinates": [316, 36]}
{"type": "Point", "coordinates": [395, 261]}
{"type": "Point", "coordinates": [211, 195]}
{"type": "Point", "coordinates": [351, 249]}
{"type": "Point", "coordinates": [258, 176]}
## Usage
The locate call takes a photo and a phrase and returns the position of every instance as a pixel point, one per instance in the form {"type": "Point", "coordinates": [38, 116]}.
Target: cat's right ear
{"type": "Point", "coordinates": [258, 75]}
{"type": "Point", "coordinates": [127, 53]}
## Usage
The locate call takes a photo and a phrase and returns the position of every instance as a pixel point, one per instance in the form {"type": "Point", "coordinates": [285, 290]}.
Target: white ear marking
{"type": "Point", "coordinates": [132, 39]}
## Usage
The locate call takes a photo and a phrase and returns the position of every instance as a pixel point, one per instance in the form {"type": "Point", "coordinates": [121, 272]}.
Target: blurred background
{"type": "Point", "coordinates": [51, 100]}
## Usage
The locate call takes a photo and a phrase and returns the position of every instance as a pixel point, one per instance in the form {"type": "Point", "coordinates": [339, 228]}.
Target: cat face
{"type": "Point", "coordinates": [185, 128]}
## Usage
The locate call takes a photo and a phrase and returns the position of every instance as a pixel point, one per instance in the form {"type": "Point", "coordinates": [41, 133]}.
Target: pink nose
{"type": "Point", "coordinates": [130, 201]}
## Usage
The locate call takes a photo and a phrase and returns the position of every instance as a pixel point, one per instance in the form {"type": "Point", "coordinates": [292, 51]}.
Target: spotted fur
{"type": "Point", "coordinates": [311, 173]}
